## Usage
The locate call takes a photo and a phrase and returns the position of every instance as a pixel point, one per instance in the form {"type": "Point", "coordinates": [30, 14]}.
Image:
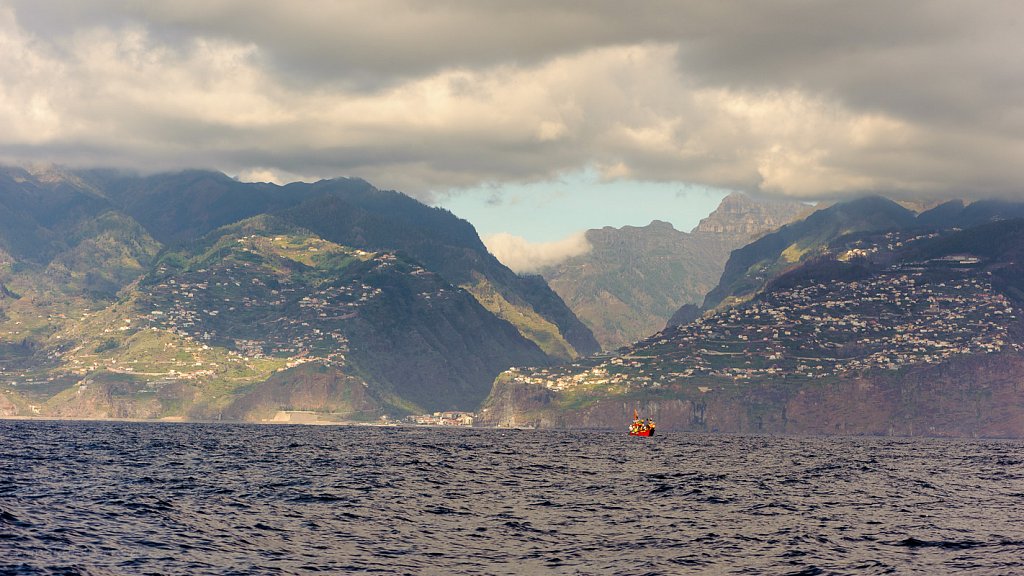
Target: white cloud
{"type": "Point", "coordinates": [26, 85]}
{"type": "Point", "coordinates": [523, 256]}
{"type": "Point", "coordinates": [793, 98]}
{"type": "Point", "coordinates": [269, 175]}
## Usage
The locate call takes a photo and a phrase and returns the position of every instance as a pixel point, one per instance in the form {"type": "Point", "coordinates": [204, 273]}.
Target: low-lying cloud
{"type": "Point", "coordinates": [790, 98]}
{"type": "Point", "coordinates": [525, 257]}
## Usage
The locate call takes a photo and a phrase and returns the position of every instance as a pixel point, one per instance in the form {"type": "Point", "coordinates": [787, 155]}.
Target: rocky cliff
{"type": "Point", "coordinates": [745, 218]}
{"type": "Point", "coordinates": [971, 397]}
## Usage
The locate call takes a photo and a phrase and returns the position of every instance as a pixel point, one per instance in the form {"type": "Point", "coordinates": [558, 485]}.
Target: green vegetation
{"type": "Point", "coordinates": [530, 324]}
{"type": "Point", "coordinates": [106, 346]}
{"type": "Point", "coordinates": [795, 253]}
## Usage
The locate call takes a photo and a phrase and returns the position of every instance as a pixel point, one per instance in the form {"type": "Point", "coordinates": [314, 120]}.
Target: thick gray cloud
{"type": "Point", "coordinates": [803, 98]}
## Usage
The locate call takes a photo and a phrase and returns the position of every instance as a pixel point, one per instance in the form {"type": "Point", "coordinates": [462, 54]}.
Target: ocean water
{"type": "Point", "coordinates": [134, 498]}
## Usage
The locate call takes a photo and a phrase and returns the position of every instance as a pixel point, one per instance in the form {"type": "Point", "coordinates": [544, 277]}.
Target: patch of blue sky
{"type": "Point", "coordinates": [553, 209]}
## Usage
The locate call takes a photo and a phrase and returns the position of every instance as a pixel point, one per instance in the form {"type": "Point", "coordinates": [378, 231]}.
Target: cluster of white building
{"type": "Point", "coordinates": [907, 315]}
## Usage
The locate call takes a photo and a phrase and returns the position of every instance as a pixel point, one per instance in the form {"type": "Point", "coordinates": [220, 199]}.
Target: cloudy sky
{"type": "Point", "coordinates": [484, 105]}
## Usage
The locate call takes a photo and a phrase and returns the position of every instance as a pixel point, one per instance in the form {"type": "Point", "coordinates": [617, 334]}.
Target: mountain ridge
{"type": "Point", "coordinates": [183, 294]}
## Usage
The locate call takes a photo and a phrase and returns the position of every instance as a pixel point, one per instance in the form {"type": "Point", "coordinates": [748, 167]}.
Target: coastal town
{"type": "Point", "coordinates": [446, 418]}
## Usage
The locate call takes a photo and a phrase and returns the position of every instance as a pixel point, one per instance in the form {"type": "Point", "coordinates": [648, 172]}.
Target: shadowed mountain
{"type": "Point", "coordinates": [39, 208]}
{"type": "Point", "coordinates": [954, 214]}
{"type": "Point", "coordinates": [749, 268]}
{"type": "Point", "coordinates": [263, 287]}
{"type": "Point", "coordinates": [372, 220]}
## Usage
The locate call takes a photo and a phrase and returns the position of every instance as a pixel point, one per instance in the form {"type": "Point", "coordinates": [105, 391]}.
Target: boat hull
{"type": "Point", "coordinates": [642, 433]}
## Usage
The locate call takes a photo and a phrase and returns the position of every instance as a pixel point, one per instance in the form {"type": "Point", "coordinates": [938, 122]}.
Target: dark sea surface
{"type": "Point", "coordinates": [134, 498]}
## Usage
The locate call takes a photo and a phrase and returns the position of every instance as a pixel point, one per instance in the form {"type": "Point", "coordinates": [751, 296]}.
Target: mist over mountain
{"type": "Point", "coordinates": [191, 294]}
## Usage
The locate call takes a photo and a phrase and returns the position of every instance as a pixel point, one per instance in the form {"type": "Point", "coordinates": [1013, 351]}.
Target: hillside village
{"type": "Point", "coordinates": [240, 306]}
{"type": "Point", "coordinates": [909, 314]}
{"type": "Point", "coordinates": [237, 304]}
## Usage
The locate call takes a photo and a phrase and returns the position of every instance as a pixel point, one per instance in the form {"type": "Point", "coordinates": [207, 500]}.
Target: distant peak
{"type": "Point", "coordinates": [736, 199]}
{"type": "Point", "coordinates": [654, 226]}
{"type": "Point", "coordinates": [660, 224]}
{"type": "Point", "coordinates": [738, 213]}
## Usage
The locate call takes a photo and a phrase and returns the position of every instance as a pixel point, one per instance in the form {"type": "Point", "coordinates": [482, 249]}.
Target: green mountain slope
{"type": "Point", "coordinates": [375, 220]}
{"type": "Point", "coordinates": [104, 255]}
{"type": "Point", "coordinates": [193, 295]}
{"type": "Point", "coordinates": [181, 207]}
{"type": "Point", "coordinates": [264, 288]}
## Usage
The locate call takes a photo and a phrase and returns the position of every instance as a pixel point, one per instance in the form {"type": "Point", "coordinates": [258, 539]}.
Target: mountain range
{"type": "Point", "coordinates": [863, 318]}
{"type": "Point", "coordinates": [193, 295]}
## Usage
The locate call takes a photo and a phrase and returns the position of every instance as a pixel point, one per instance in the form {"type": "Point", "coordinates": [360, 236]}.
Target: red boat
{"type": "Point", "coordinates": [640, 427]}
